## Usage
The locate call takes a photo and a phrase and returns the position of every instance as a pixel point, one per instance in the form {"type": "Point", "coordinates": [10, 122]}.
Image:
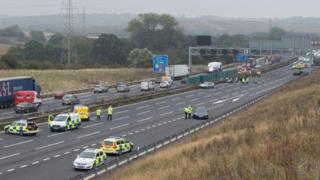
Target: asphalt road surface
{"type": "Point", "coordinates": [50, 155]}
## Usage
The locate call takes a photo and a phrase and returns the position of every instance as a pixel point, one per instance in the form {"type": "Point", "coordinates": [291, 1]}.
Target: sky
{"type": "Point", "coordinates": [224, 8]}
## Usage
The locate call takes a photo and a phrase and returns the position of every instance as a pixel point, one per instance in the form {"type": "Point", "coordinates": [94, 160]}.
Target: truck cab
{"type": "Point", "coordinates": [28, 97]}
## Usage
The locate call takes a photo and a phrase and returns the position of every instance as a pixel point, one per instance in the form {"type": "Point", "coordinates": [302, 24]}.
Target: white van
{"type": "Point", "coordinates": [147, 85]}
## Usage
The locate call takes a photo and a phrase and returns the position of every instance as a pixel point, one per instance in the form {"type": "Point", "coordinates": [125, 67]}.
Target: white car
{"type": "Point", "coordinates": [165, 84]}
{"type": "Point", "coordinates": [89, 159]}
{"type": "Point", "coordinates": [207, 85]}
{"type": "Point", "coordinates": [147, 85]}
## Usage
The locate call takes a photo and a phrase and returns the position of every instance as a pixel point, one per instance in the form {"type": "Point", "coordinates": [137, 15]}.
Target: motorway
{"type": "Point", "coordinates": [85, 98]}
{"type": "Point", "coordinates": [50, 155]}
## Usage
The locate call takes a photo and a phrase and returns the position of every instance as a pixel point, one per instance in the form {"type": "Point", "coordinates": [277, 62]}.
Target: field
{"type": "Point", "coordinates": [55, 80]}
{"type": "Point", "coordinates": [4, 49]}
{"type": "Point", "coordinates": [278, 138]}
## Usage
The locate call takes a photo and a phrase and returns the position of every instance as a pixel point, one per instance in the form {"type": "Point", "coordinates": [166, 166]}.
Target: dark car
{"type": "Point", "coordinates": [59, 95]}
{"type": "Point", "coordinates": [100, 89]}
{"type": "Point", "coordinates": [70, 100]}
{"type": "Point", "coordinates": [201, 113]}
{"type": "Point", "coordinates": [26, 108]}
{"type": "Point", "coordinates": [122, 87]}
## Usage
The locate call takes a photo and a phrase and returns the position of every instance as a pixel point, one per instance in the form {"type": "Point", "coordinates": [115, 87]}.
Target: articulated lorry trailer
{"type": "Point", "coordinates": [9, 86]}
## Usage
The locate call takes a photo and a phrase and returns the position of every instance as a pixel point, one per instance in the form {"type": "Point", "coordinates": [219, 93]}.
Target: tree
{"type": "Point", "coordinates": [56, 39]}
{"type": "Point", "coordinates": [109, 49]}
{"type": "Point", "coordinates": [276, 33]}
{"type": "Point", "coordinates": [38, 36]}
{"type": "Point", "coordinates": [156, 32]}
{"type": "Point", "coordinates": [140, 58]}
{"type": "Point", "coordinates": [12, 31]}
{"type": "Point", "coordinates": [34, 51]}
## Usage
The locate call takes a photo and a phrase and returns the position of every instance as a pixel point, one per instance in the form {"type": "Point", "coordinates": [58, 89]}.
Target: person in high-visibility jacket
{"type": "Point", "coordinates": [186, 112]}
{"type": "Point", "coordinates": [98, 113]}
{"type": "Point", "coordinates": [110, 111]}
{"type": "Point", "coordinates": [189, 111]}
{"type": "Point", "coordinates": [50, 119]}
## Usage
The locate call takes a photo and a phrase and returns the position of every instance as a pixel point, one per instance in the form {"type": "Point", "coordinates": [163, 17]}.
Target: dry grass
{"type": "Point", "coordinates": [4, 48]}
{"type": "Point", "coordinates": [54, 80]}
{"type": "Point", "coordinates": [279, 138]}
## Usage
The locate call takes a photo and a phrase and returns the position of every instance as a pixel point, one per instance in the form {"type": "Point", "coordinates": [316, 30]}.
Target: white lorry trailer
{"type": "Point", "coordinates": [177, 71]}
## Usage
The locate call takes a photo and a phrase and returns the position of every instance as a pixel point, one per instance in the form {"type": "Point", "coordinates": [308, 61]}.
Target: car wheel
{"type": "Point", "coordinates": [21, 133]}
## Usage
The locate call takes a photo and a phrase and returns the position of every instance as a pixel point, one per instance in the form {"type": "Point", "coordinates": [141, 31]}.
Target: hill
{"type": "Point", "coordinates": [278, 138]}
{"type": "Point", "coordinates": [117, 23]}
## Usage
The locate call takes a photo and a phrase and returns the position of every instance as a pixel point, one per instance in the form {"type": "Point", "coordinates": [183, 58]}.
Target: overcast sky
{"type": "Point", "coordinates": [226, 8]}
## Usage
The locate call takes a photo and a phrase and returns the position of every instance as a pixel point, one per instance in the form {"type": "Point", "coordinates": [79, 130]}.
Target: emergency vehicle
{"type": "Point", "coordinates": [22, 127]}
{"type": "Point", "coordinates": [116, 145]}
{"type": "Point", "coordinates": [83, 112]}
{"type": "Point", "coordinates": [89, 159]}
{"type": "Point", "coordinates": [64, 122]}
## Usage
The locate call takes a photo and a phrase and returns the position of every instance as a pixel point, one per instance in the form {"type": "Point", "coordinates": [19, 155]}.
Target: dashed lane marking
{"type": "Point", "coordinates": [12, 155]}
{"type": "Point", "coordinates": [146, 119]}
{"type": "Point", "coordinates": [49, 145]}
{"type": "Point", "coordinates": [120, 126]}
{"type": "Point", "coordinates": [16, 144]}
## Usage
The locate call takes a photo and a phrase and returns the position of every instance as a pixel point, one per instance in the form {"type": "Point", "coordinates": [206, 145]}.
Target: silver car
{"type": "Point", "coordinates": [122, 87]}
{"type": "Point", "coordinates": [100, 89]}
{"type": "Point", "coordinates": [207, 85]}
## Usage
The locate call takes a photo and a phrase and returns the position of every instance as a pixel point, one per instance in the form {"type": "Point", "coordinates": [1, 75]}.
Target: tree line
{"type": "Point", "coordinates": [149, 34]}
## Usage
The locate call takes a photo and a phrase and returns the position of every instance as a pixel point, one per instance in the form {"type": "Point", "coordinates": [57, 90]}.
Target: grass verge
{"type": "Point", "coordinates": [67, 80]}
{"type": "Point", "coordinates": [278, 138]}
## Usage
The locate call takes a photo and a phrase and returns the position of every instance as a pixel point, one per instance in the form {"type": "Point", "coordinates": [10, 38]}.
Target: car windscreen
{"type": "Point", "coordinates": [60, 118]}
{"type": "Point", "coordinates": [108, 143]}
{"type": "Point", "coordinates": [201, 111]}
{"type": "Point", "coordinates": [67, 97]}
{"type": "Point", "coordinates": [90, 155]}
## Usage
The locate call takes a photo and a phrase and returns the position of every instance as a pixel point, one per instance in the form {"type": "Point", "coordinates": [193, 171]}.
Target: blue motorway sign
{"type": "Point", "coordinates": [242, 57]}
{"type": "Point", "coordinates": [160, 62]}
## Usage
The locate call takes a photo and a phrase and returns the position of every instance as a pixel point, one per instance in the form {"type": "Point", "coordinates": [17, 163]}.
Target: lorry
{"type": "Point", "coordinates": [10, 85]}
{"type": "Point", "coordinates": [147, 85]}
{"type": "Point", "coordinates": [28, 96]}
{"type": "Point", "coordinates": [177, 71]}
{"type": "Point", "coordinates": [214, 66]}
{"type": "Point", "coordinates": [274, 58]}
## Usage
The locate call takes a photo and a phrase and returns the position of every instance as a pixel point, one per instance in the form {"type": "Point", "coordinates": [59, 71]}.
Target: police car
{"type": "Point", "coordinates": [64, 122]}
{"type": "Point", "coordinates": [116, 145]}
{"type": "Point", "coordinates": [89, 159]}
{"type": "Point", "coordinates": [22, 127]}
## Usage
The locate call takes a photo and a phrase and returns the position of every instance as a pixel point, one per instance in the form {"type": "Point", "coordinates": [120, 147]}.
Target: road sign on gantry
{"type": "Point", "coordinates": [160, 62]}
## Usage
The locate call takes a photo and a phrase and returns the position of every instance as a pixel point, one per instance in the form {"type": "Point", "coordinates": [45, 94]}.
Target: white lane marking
{"type": "Point", "coordinates": [199, 104]}
{"type": "Point", "coordinates": [46, 159]}
{"type": "Point", "coordinates": [5, 157]}
{"type": "Point", "coordinates": [93, 144]}
{"type": "Point", "coordinates": [75, 150]}
{"type": "Point", "coordinates": [162, 102]}
{"type": "Point", "coordinates": [90, 134]}
{"type": "Point", "coordinates": [195, 99]}
{"type": "Point", "coordinates": [180, 103]}
{"type": "Point", "coordinates": [121, 118]}
{"type": "Point", "coordinates": [191, 95]}
{"type": "Point", "coordinates": [220, 101]}
{"type": "Point", "coordinates": [120, 126]}
{"type": "Point", "coordinates": [237, 99]}
{"type": "Point", "coordinates": [213, 100]}
{"type": "Point", "coordinates": [120, 112]}
{"type": "Point", "coordinates": [52, 135]}
{"type": "Point", "coordinates": [163, 114]}
{"type": "Point", "coordinates": [37, 162]}
{"type": "Point", "coordinates": [10, 170]}
{"type": "Point", "coordinates": [163, 107]}
{"type": "Point", "coordinates": [145, 119]}
{"type": "Point", "coordinates": [49, 145]}
{"type": "Point", "coordinates": [142, 107]}
{"type": "Point", "coordinates": [138, 114]}
{"type": "Point", "coordinates": [124, 135]}
{"type": "Point", "coordinates": [23, 166]}
{"type": "Point", "coordinates": [16, 144]}
{"type": "Point", "coordinates": [56, 156]}
{"type": "Point", "coordinates": [66, 153]}
{"type": "Point", "coordinates": [92, 125]}
{"type": "Point", "coordinates": [85, 147]}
